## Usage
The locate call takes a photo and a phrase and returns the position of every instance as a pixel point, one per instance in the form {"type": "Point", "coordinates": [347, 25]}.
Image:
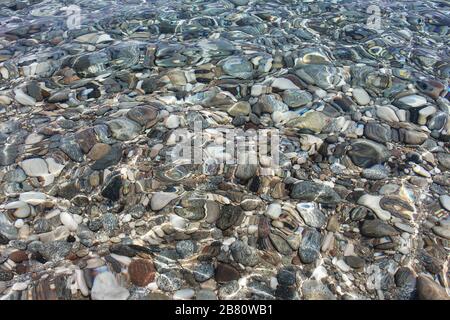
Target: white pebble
{"type": "Point", "coordinates": [67, 220]}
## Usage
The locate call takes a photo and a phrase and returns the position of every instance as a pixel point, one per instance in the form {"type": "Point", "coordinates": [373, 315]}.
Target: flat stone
{"type": "Point", "coordinates": [387, 114]}
{"type": "Point", "coordinates": [106, 287]}
{"type": "Point", "coordinates": [98, 151]}
{"type": "Point", "coordinates": [203, 271]}
{"type": "Point", "coordinates": [86, 139]}
{"type": "Point", "coordinates": [428, 289]}
{"type": "Point", "coordinates": [413, 137]}
{"type": "Point", "coordinates": [445, 202]}
{"type": "Point", "coordinates": [377, 132]}
{"type": "Point", "coordinates": [373, 203]}
{"type": "Point", "coordinates": [377, 172]}
{"type": "Point", "coordinates": [315, 290]}
{"type": "Point", "coordinates": [424, 114]}
{"type": "Point", "coordinates": [413, 101]}
{"type": "Point", "coordinates": [186, 248]}
{"type": "Point", "coordinates": [354, 262]}
{"type": "Point", "coordinates": [124, 129]}
{"type": "Point", "coordinates": [122, 250]}
{"type": "Point", "coordinates": [32, 197]}
{"type": "Point", "coordinates": [405, 277]}
{"type": "Point", "coordinates": [184, 294]}
{"type": "Point", "coordinates": [6, 275]}
{"type": "Point", "coordinates": [283, 84]}
{"type": "Point", "coordinates": [309, 246]}
{"type": "Point", "coordinates": [141, 272]}
{"type": "Point", "coordinates": [443, 232]}
{"type": "Point", "coordinates": [169, 281]}
{"type": "Point", "coordinates": [72, 149]}
{"type": "Point", "coordinates": [296, 98]}
{"type": "Point", "coordinates": [377, 229]}
{"type": "Point", "coordinates": [270, 103]}
{"type": "Point", "coordinates": [112, 157]}
{"type": "Point", "coordinates": [172, 121]}
{"type": "Point", "coordinates": [280, 244]}
{"type": "Point", "coordinates": [312, 191]}
{"type": "Point", "coordinates": [55, 251]}
{"type": "Point", "coordinates": [34, 167]}
{"type": "Point", "coordinates": [112, 188]}
{"type": "Point", "coordinates": [313, 120]}
{"type": "Point", "coordinates": [206, 294]}
{"type": "Point", "coordinates": [143, 115]}
{"type": "Point", "coordinates": [286, 276]}
{"type": "Point", "coordinates": [361, 96]}
{"type": "Point", "coordinates": [225, 273]}
{"type": "Point", "coordinates": [229, 216]}
{"type": "Point", "coordinates": [241, 108]}
{"type": "Point", "coordinates": [273, 210]}
{"type": "Point", "coordinates": [68, 190]}
{"type": "Point", "coordinates": [18, 256]}
{"type": "Point", "coordinates": [238, 67]}
{"type": "Point", "coordinates": [109, 222]}
{"type": "Point", "coordinates": [244, 254]}
{"type": "Point", "coordinates": [366, 153]}
{"type": "Point", "coordinates": [312, 216]}
{"type": "Point", "coordinates": [8, 154]}
{"type": "Point", "coordinates": [246, 171]}
{"type": "Point", "coordinates": [161, 199]}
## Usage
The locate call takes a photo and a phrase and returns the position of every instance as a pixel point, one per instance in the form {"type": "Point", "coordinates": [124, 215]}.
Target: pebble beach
{"type": "Point", "coordinates": [349, 200]}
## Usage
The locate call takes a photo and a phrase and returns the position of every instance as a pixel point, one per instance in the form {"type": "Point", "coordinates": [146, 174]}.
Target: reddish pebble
{"type": "Point", "coordinates": [141, 272]}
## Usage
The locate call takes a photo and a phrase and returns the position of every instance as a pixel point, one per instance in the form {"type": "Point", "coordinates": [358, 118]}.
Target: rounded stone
{"type": "Point", "coordinates": [169, 281]}
{"type": "Point", "coordinates": [361, 96]}
{"type": "Point", "coordinates": [141, 272]}
{"type": "Point", "coordinates": [225, 273]}
{"type": "Point", "coordinates": [203, 271]}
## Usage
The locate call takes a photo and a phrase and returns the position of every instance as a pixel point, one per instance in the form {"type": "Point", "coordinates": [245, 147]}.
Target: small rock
{"type": "Point", "coordinates": [169, 281]}
{"type": "Point", "coordinates": [226, 273]}
{"type": "Point", "coordinates": [445, 202]}
{"type": "Point", "coordinates": [106, 287]}
{"type": "Point", "coordinates": [413, 101]}
{"type": "Point", "coordinates": [361, 96]}
{"type": "Point", "coordinates": [184, 294]}
{"type": "Point", "coordinates": [35, 167]}
{"type": "Point", "coordinates": [141, 272]}
{"type": "Point", "coordinates": [273, 211]}
{"type": "Point", "coordinates": [241, 108]}
{"type": "Point", "coordinates": [354, 262]}
{"type": "Point", "coordinates": [203, 271]}
{"type": "Point", "coordinates": [377, 229]}
{"type": "Point", "coordinates": [310, 246]}
{"type": "Point", "coordinates": [172, 121]}
{"type": "Point", "coordinates": [161, 199]}
{"type": "Point", "coordinates": [315, 290]}
{"type": "Point", "coordinates": [428, 289]}
{"type": "Point", "coordinates": [312, 216]}
{"type": "Point", "coordinates": [312, 191]}
{"type": "Point", "coordinates": [244, 254]}
{"type": "Point", "coordinates": [124, 129]}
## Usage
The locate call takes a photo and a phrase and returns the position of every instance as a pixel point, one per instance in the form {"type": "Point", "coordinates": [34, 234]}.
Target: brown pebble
{"type": "Point", "coordinates": [98, 151]}
{"type": "Point", "coordinates": [226, 273]}
{"type": "Point", "coordinates": [296, 261]}
{"type": "Point", "coordinates": [18, 256]}
{"type": "Point", "coordinates": [141, 272]}
{"type": "Point", "coordinates": [21, 268]}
